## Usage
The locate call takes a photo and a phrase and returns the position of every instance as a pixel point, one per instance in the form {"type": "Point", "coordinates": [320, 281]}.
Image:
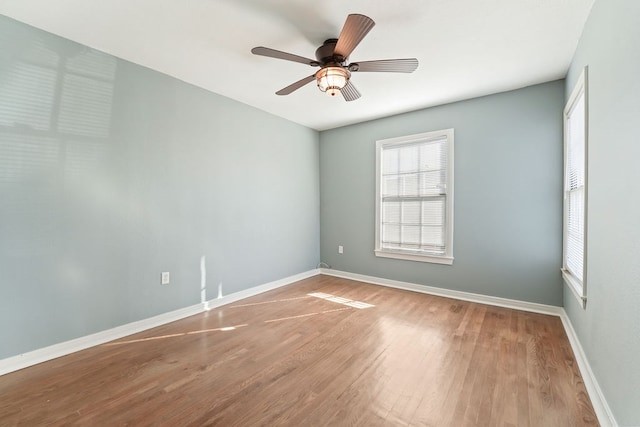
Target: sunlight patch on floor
{"type": "Point", "coordinates": [340, 300]}
{"type": "Point", "coordinates": [305, 315]}
{"type": "Point", "coordinates": [160, 337]}
{"type": "Point", "coordinates": [267, 302]}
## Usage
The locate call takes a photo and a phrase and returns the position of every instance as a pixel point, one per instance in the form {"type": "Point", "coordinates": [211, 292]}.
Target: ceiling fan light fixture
{"type": "Point", "coordinates": [331, 79]}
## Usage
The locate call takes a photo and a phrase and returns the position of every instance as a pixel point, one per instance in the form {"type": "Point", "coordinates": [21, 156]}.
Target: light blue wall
{"type": "Point", "coordinates": [508, 195]}
{"type": "Point", "coordinates": [111, 173]}
{"type": "Point", "coordinates": [609, 327]}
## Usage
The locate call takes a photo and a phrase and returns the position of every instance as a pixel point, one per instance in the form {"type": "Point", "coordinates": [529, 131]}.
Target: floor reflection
{"type": "Point", "coordinates": [182, 334]}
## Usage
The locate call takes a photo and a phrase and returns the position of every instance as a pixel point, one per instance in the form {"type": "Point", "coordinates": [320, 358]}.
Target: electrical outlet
{"type": "Point", "coordinates": [340, 249]}
{"type": "Point", "coordinates": [164, 278]}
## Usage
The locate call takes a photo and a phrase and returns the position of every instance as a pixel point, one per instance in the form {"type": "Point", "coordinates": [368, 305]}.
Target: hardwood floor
{"type": "Point", "coordinates": [288, 358]}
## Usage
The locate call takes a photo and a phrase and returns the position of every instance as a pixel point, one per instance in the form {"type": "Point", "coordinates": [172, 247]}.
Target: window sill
{"type": "Point", "coordinates": [576, 287]}
{"type": "Point", "coordinates": [411, 257]}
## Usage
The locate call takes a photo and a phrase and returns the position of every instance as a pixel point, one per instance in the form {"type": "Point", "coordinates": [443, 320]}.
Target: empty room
{"type": "Point", "coordinates": [247, 213]}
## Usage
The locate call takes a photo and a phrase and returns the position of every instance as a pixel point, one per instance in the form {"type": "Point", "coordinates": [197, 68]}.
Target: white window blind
{"type": "Point", "coordinates": [575, 125]}
{"type": "Point", "coordinates": [575, 189]}
{"type": "Point", "coordinates": [413, 196]}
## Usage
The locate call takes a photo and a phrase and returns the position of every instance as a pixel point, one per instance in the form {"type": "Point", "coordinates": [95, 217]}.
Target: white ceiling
{"type": "Point", "coordinates": [466, 48]}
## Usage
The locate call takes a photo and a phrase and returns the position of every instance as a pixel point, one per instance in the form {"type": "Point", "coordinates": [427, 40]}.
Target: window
{"type": "Point", "coordinates": [575, 189]}
{"type": "Point", "coordinates": [414, 197]}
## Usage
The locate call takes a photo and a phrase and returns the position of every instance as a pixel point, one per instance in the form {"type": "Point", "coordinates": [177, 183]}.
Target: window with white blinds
{"type": "Point", "coordinates": [414, 203]}
{"type": "Point", "coordinates": [575, 189]}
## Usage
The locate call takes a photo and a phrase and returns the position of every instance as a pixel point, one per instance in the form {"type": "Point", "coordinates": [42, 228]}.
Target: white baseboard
{"type": "Point", "coordinates": [448, 293]}
{"type": "Point", "coordinates": [600, 405]}
{"type": "Point", "coordinates": [34, 357]}
{"type": "Point", "coordinates": [236, 296]}
{"type": "Point", "coordinates": [54, 351]}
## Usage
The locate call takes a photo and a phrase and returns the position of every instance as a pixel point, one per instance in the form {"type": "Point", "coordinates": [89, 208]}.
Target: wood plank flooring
{"type": "Point", "coordinates": [288, 358]}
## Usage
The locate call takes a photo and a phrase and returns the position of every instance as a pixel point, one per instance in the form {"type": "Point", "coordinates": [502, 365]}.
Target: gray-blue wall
{"type": "Point", "coordinates": [111, 173]}
{"type": "Point", "coordinates": [609, 327]}
{"type": "Point", "coordinates": [507, 203]}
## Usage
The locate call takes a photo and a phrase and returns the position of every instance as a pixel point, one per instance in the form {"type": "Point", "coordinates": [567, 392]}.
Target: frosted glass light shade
{"type": "Point", "coordinates": [331, 79]}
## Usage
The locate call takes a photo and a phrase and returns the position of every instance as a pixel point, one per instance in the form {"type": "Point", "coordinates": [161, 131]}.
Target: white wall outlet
{"type": "Point", "coordinates": [340, 249]}
{"type": "Point", "coordinates": [165, 278]}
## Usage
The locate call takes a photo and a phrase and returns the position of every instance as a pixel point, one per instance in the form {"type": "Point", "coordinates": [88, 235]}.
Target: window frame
{"type": "Point", "coordinates": [447, 258]}
{"type": "Point", "coordinates": [578, 287]}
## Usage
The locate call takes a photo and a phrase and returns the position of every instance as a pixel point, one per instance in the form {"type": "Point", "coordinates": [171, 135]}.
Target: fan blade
{"type": "Point", "coordinates": [407, 65]}
{"type": "Point", "coordinates": [349, 92]}
{"type": "Point", "coordinates": [355, 28]}
{"type": "Point", "coordinates": [272, 53]}
{"type": "Point", "coordinates": [297, 85]}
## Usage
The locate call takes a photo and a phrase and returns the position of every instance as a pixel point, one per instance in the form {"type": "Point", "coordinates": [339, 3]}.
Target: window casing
{"type": "Point", "coordinates": [414, 197]}
{"type": "Point", "coordinates": [575, 190]}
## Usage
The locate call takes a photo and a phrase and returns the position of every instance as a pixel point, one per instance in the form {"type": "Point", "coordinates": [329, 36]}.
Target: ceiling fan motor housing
{"type": "Point", "coordinates": [325, 54]}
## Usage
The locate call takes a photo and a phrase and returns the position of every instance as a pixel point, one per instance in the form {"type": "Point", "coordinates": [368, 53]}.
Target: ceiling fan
{"type": "Point", "coordinates": [332, 57]}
